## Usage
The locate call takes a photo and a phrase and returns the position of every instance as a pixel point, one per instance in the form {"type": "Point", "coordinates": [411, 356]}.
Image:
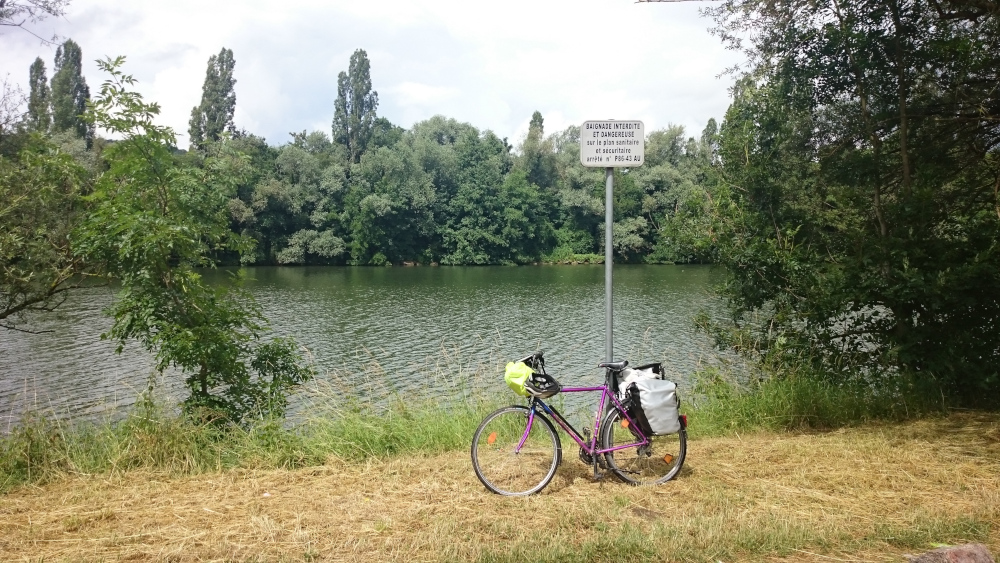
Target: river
{"type": "Point", "coordinates": [412, 332]}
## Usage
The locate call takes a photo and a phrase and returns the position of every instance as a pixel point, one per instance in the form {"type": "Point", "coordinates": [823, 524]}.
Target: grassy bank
{"type": "Point", "coordinates": [790, 469]}
{"type": "Point", "coordinates": [41, 449]}
{"type": "Point", "coordinates": [869, 493]}
{"type": "Point", "coordinates": [797, 402]}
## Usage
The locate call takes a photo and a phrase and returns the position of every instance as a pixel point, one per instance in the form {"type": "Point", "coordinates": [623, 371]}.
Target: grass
{"type": "Point", "coordinates": [797, 402]}
{"type": "Point", "coordinates": [335, 424]}
{"type": "Point", "coordinates": [790, 470]}
{"type": "Point", "coordinates": [868, 493]}
{"type": "Point", "coordinates": [41, 450]}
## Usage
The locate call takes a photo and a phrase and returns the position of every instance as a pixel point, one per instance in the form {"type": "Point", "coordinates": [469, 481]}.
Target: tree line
{"type": "Point", "coordinates": [372, 193]}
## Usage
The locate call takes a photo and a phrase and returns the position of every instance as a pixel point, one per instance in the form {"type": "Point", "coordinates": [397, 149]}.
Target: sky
{"type": "Point", "coordinates": [491, 64]}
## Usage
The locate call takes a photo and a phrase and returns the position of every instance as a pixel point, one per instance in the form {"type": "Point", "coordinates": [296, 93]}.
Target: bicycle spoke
{"type": "Point", "coordinates": [503, 469]}
{"type": "Point", "coordinates": [656, 462]}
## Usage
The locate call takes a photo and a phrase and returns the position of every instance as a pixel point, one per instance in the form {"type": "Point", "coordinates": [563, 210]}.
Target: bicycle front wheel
{"type": "Point", "coordinates": [652, 464]}
{"type": "Point", "coordinates": [499, 465]}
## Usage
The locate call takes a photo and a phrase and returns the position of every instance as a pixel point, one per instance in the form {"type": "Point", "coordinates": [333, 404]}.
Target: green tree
{"type": "Point", "coordinates": [385, 133]}
{"type": "Point", "coordinates": [291, 202]}
{"type": "Point", "coordinates": [492, 218]}
{"type": "Point", "coordinates": [70, 92]}
{"type": "Point", "coordinates": [354, 108]}
{"type": "Point", "coordinates": [154, 223]}
{"type": "Point", "coordinates": [39, 117]}
{"type": "Point", "coordinates": [315, 185]}
{"type": "Point", "coordinates": [579, 208]}
{"type": "Point", "coordinates": [214, 115]}
{"type": "Point", "coordinates": [631, 228]}
{"type": "Point", "coordinates": [672, 190]}
{"type": "Point", "coordinates": [859, 215]}
{"type": "Point", "coordinates": [390, 207]}
{"type": "Point", "coordinates": [39, 207]}
{"type": "Point", "coordinates": [537, 155]}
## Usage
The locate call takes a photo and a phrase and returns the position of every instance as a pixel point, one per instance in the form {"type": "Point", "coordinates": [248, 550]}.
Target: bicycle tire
{"type": "Point", "coordinates": [505, 472]}
{"type": "Point", "coordinates": [656, 463]}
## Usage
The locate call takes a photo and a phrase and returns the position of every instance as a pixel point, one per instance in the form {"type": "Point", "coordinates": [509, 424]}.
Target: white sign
{"type": "Point", "coordinates": [612, 143]}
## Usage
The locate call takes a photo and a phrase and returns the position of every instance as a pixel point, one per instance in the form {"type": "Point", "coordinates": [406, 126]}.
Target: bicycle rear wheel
{"type": "Point", "coordinates": [506, 471]}
{"type": "Point", "coordinates": [652, 464]}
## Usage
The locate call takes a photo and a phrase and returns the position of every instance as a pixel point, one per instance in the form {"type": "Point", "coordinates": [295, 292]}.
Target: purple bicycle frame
{"type": "Point", "coordinates": [590, 449]}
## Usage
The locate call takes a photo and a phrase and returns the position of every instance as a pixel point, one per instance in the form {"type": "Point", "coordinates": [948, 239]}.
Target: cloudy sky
{"type": "Point", "coordinates": [488, 63]}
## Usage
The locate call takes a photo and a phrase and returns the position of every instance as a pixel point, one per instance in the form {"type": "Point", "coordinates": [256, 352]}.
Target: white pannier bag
{"type": "Point", "coordinates": [628, 375]}
{"type": "Point", "coordinates": [658, 398]}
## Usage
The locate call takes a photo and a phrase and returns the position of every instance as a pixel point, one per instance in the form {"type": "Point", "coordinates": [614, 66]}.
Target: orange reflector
{"type": "Point", "coordinates": [491, 438]}
{"type": "Point", "coordinates": [669, 458]}
{"type": "Point", "coordinates": [624, 424]}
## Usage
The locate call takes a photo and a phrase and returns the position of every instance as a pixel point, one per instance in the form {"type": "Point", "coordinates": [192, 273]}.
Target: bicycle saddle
{"type": "Point", "coordinates": [614, 366]}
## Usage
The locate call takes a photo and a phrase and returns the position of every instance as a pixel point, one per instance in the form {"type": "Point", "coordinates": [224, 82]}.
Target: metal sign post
{"type": "Point", "coordinates": [609, 222]}
{"type": "Point", "coordinates": [609, 145]}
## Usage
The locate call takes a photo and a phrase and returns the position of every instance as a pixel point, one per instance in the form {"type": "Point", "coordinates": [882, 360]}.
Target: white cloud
{"type": "Point", "coordinates": [489, 64]}
{"type": "Point", "coordinates": [417, 94]}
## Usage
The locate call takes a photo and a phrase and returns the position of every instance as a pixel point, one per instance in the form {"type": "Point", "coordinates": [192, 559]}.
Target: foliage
{"type": "Point", "coordinates": [11, 101]}
{"type": "Point", "coordinates": [70, 92]}
{"type": "Point", "coordinates": [445, 192]}
{"type": "Point", "coordinates": [214, 115]}
{"type": "Point", "coordinates": [39, 193]}
{"type": "Point", "coordinates": [859, 215]}
{"type": "Point", "coordinates": [440, 192]}
{"type": "Point", "coordinates": [392, 200]}
{"type": "Point", "coordinates": [487, 225]}
{"type": "Point", "coordinates": [508, 227]}
{"type": "Point", "coordinates": [354, 109]}
{"type": "Point", "coordinates": [537, 154]}
{"type": "Point", "coordinates": [39, 116]}
{"type": "Point", "coordinates": [153, 223]}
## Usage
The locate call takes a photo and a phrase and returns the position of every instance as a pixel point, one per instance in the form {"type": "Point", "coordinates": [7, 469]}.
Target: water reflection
{"type": "Point", "coordinates": [393, 325]}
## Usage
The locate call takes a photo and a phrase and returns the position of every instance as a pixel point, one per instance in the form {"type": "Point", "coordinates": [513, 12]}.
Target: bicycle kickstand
{"type": "Point", "coordinates": [597, 475]}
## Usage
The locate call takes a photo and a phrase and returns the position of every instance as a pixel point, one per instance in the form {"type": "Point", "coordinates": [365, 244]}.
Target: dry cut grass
{"type": "Point", "coordinates": [860, 494]}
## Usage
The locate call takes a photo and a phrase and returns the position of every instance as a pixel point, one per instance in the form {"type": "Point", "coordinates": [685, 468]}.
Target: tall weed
{"type": "Point", "coordinates": [793, 401]}
{"type": "Point", "coordinates": [155, 438]}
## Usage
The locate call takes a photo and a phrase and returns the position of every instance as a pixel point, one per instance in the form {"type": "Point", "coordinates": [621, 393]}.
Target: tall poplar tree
{"type": "Point", "coordinates": [39, 117]}
{"type": "Point", "coordinates": [214, 115]}
{"type": "Point", "coordinates": [354, 110]}
{"type": "Point", "coordinates": [70, 92]}
{"type": "Point", "coordinates": [537, 154]}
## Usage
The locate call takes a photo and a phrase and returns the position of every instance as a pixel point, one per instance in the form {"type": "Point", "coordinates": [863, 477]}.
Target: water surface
{"type": "Point", "coordinates": [416, 331]}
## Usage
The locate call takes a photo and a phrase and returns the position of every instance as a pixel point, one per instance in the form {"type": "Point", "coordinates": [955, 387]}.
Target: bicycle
{"type": "Point", "coordinates": [516, 450]}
